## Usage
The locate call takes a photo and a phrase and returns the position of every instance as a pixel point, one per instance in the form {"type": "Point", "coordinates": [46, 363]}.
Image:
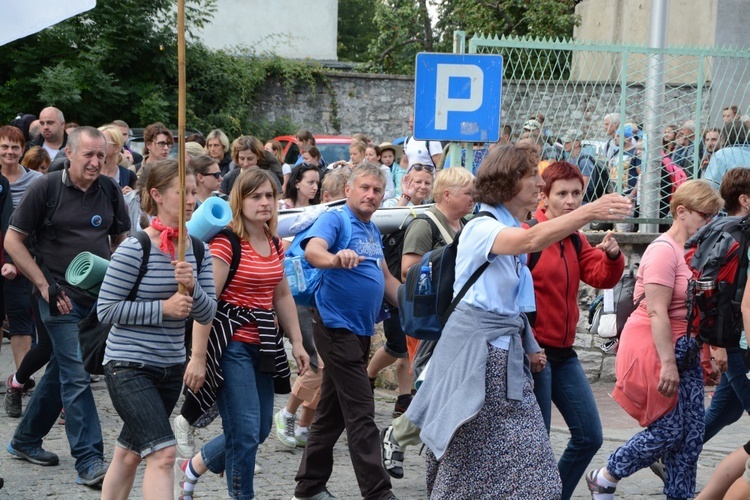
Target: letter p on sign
{"type": "Point", "coordinates": [445, 103]}
{"type": "Point", "coordinates": [457, 97]}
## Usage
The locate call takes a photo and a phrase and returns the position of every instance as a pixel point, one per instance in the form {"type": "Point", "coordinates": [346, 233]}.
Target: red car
{"type": "Point", "coordinates": [332, 147]}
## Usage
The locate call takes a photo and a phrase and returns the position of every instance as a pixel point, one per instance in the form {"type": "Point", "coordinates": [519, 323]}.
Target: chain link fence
{"type": "Point", "coordinates": [587, 102]}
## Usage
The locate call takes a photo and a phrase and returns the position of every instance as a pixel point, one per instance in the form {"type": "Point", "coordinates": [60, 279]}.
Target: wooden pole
{"type": "Point", "coordinates": [181, 117]}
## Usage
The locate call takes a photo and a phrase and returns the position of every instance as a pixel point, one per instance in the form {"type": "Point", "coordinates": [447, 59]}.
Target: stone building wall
{"type": "Point", "coordinates": [380, 105]}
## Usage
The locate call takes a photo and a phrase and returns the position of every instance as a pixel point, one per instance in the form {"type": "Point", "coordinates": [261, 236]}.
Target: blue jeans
{"type": "Point", "coordinates": [731, 397]}
{"type": "Point", "coordinates": [246, 406]}
{"type": "Point", "coordinates": [65, 383]}
{"type": "Point", "coordinates": [566, 385]}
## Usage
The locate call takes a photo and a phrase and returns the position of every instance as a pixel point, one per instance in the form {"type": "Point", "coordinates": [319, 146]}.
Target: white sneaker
{"type": "Point", "coordinates": [184, 433]}
{"type": "Point", "coordinates": [285, 429]}
{"type": "Point", "coordinates": [258, 468]}
{"type": "Point", "coordinates": [300, 438]}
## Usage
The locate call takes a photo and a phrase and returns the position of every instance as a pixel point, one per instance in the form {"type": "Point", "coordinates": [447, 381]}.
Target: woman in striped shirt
{"type": "Point", "coordinates": [256, 295]}
{"type": "Point", "coordinates": [145, 355]}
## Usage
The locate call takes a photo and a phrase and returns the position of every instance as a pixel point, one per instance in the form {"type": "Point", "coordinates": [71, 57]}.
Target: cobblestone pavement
{"type": "Point", "coordinates": [279, 465]}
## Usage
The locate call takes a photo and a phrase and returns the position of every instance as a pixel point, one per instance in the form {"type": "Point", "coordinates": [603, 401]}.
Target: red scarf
{"type": "Point", "coordinates": [167, 233]}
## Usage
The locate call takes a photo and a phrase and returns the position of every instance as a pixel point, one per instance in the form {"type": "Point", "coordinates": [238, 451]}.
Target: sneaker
{"type": "Point", "coordinates": [393, 455]}
{"type": "Point", "coordinates": [95, 378]}
{"type": "Point", "coordinates": [401, 405]}
{"type": "Point", "coordinates": [38, 455]}
{"type": "Point", "coordinates": [62, 417]}
{"type": "Point", "coordinates": [93, 476]}
{"type": "Point", "coordinates": [301, 438]}
{"type": "Point", "coordinates": [258, 469]}
{"type": "Point", "coordinates": [285, 429]}
{"type": "Point", "coordinates": [323, 495]}
{"type": "Point", "coordinates": [596, 488]}
{"type": "Point", "coordinates": [12, 399]}
{"type": "Point", "coordinates": [180, 467]}
{"type": "Point", "coordinates": [184, 433]}
{"type": "Point", "coordinates": [658, 469]}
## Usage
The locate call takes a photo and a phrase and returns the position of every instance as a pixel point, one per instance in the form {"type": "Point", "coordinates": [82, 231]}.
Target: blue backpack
{"type": "Point", "coordinates": [304, 279]}
{"type": "Point", "coordinates": [424, 316]}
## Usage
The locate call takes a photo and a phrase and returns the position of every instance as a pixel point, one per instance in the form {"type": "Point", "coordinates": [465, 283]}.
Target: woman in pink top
{"type": "Point", "coordinates": [659, 376]}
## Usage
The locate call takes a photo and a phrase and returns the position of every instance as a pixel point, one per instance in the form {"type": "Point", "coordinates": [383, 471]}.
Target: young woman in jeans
{"type": "Point", "coordinates": [557, 276]}
{"type": "Point", "coordinates": [258, 289]}
{"type": "Point", "coordinates": [145, 353]}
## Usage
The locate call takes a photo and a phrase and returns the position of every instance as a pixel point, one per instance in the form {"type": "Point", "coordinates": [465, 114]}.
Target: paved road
{"type": "Point", "coordinates": [276, 481]}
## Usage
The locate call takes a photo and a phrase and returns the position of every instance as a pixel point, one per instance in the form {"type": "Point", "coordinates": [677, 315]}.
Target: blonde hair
{"type": "Point", "coordinates": [246, 184]}
{"type": "Point", "coordinates": [334, 183]}
{"type": "Point", "coordinates": [696, 195]}
{"type": "Point", "coordinates": [114, 136]}
{"type": "Point", "coordinates": [194, 150]}
{"type": "Point", "coordinates": [450, 179]}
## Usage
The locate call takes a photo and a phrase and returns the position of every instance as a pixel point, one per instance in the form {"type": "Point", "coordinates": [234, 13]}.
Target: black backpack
{"type": "Point", "coordinates": [598, 184]}
{"type": "Point", "coordinates": [393, 244]}
{"type": "Point", "coordinates": [717, 253]}
{"type": "Point", "coordinates": [534, 257]}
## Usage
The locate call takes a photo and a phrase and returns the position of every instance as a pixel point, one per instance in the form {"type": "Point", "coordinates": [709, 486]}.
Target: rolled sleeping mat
{"type": "Point", "coordinates": [86, 271]}
{"type": "Point", "coordinates": [211, 217]}
{"type": "Point", "coordinates": [387, 220]}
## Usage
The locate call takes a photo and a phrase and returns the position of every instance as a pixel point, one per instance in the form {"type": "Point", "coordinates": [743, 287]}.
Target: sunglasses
{"type": "Point", "coordinates": [217, 175]}
{"type": "Point", "coordinates": [704, 215]}
{"type": "Point", "coordinates": [421, 166]}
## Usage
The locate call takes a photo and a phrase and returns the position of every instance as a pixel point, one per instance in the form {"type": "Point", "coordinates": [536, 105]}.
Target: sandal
{"type": "Point", "coordinates": [393, 455]}
{"type": "Point", "coordinates": [595, 487]}
{"type": "Point", "coordinates": [185, 494]}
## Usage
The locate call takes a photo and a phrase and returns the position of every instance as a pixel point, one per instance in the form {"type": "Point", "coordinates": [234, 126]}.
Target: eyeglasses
{"type": "Point", "coordinates": [217, 175]}
{"type": "Point", "coordinates": [704, 215]}
{"type": "Point", "coordinates": [163, 144]}
{"type": "Point", "coordinates": [421, 166]}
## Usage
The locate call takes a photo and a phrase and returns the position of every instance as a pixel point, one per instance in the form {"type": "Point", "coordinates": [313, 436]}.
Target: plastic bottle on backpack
{"type": "Point", "coordinates": [424, 286]}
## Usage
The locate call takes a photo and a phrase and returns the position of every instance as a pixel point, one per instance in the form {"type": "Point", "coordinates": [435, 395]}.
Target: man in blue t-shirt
{"type": "Point", "coordinates": [349, 299]}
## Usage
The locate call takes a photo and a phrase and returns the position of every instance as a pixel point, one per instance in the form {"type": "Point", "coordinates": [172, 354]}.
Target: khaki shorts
{"type": "Point", "coordinates": [307, 387]}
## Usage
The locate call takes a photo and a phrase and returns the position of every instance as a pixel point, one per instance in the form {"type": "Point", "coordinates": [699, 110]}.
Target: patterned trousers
{"type": "Point", "coordinates": [677, 437]}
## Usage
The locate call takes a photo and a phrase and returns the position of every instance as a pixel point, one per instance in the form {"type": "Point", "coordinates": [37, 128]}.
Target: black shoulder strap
{"type": "Point", "coordinates": [234, 240]}
{"type": "Point", "coordinates": [54, 189]}
{"type": "Point", "coordinates": [111, 188]}
{"type": "Point", "coordinates": [535, 256]}
{"type": "Point", "coordinates": [199, 252]}
{"type": "Point", "coordinates": [436, 236]}
{"type": "Point", "coordinates": [472, 279]}
{"type": "Point", "coordinates": [145, 242]}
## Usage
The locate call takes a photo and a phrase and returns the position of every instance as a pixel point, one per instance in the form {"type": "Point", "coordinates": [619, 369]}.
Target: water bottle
{"type": "Point", "coordinates": [424, 285]}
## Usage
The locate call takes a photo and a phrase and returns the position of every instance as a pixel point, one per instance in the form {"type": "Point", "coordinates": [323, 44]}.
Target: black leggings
{"type": "Point", "coordinates": [39, 354]}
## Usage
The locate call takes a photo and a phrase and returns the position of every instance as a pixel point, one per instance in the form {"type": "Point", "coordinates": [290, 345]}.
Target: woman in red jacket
{"type": "Point", "coordinates": [557, 274]}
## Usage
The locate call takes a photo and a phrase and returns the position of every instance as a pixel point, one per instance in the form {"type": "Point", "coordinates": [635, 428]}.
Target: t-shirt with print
{"type": "Point", "coordinates": [351, 298]}
{"type": "Point", "coordinates": [254, 283]}
{"type": "Point", "coordinates": [663, 264]}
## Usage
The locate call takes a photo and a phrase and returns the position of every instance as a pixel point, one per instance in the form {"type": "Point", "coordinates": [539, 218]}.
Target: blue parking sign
{"type": "Point", "coordinates": [457, 97]}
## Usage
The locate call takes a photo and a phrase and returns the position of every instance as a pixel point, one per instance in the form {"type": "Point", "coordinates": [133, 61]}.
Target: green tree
{"type": "Point", "coordinates": [116, 60]}
{"type": "Point", "coordinates": [356, 29]}
{"type": "Point", "coordinates": [405, 26]}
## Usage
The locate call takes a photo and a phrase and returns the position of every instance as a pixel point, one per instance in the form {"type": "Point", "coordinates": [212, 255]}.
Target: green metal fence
{"type": "Point", "coordinates": [574, 85]}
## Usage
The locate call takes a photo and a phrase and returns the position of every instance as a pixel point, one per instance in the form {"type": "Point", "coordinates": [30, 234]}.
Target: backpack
{"type": "Point", "coordinates": [676, 174]}
{"type": "Point", "coordinates": [599, 182]}
{"type": "Point", "coordinates": [304, 279]}
{"type": "Point", "coordinates": [92, 334]}
{"type": "Point", "coordinates": [534, 257]}
{"type": "Point", "coordinates": [609, 312]}
{"type": "Point", "coordinates": [717, 253]}
{"type": "Point", "coordinates": [424, 316]}
{"type": "Point", "coordinates": [393, 243]}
